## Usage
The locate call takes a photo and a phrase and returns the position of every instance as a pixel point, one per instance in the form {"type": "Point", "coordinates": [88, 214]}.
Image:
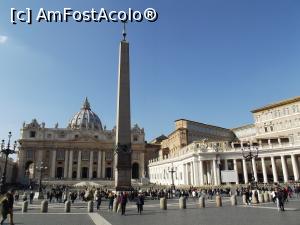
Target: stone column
{"type": "Point", "coordinates": [103, 164]}
{"type": "Point", "coordinates": [236, 171]}
{"type": "Point", "coordinates": [201, 172]}
{"type": "Point", "coordinates": [264, 170]}
{"type": "Point", "coordinates": [245, 171]}
{"type": "Point", "coordinates": [91, 164]}
{"type": "Point", "coordinates": [215, 172]}
{"type": "Point", "coordinates": [53, 164]}
{"type": "Point", "coordinates": [284, 169]}
{"type": "Point", "coordinates": [295, 167]}
{"type": "Point", "coordinates": [99, 164]}
{"type": "Point", "coordinates": [269, 143]}
{"type": "Point", "coordinates": [274, 170]}
{"type": "Point", "coordinates": [192, 173]}
{"type": "Point", "coordinates": [79, 165]}
{"type": "Point", "coordinates": [208, 171]}
{"type": "Point", "coordinates": [225, 164]}
{"type": "Point", "coordinates": [66, 164]}
{"type": "Point", "coordinates": [196, 172]}
{"type": "Point", "coordinates": [254, 169]}
{"type": "Point", "coordinates": [142, 164]}
{"type": "Point", "coordinates": [279, 141]}
{"type": "Point", "coordinates": [185, 178]}
{"type": "Point", "coordinates": [70, 164]}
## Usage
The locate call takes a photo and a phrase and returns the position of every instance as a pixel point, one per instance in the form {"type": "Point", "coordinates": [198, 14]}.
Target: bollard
{"type": "Point", "coordinates": [266, 197]}
{"type": "Point", "coordinates": [90, 206]}
{"type": "Point", "coordinates": [261, 198]}
{"type": "Point", "coordinates": [202, 202]}
{"type": "Point", "coordinates": [233, 200]}
{"type": "Point", "coordinates": [115, 205]}
{"type": "Point", "coordinates": [218, 201]}
{"type": "Point", "coordinates": [68, 206]}
{"type": "Point", "coordinates": [44, 206]}
{"type": "Point", "coordinates": [254, 199]}
{"type": "Point", "coordinates": [24, 206]}
{"type": "Point", "coordinates": [163, 203]}
{"type": "Point", "coordinates": [182, 203]}
{"type": "Point", "coordinates": [270, 196]}
{"type": "Point", "coordinates": [244, 200]}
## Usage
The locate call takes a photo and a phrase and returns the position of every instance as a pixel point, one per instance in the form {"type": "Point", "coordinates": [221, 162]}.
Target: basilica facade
{"type": "Point", "coordinates": [83, 150]}
{"type": "Point", "coordinates": [198, 154]}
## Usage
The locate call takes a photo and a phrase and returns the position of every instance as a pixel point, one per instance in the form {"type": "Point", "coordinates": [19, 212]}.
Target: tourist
{"type": "Point", "coordinates": [140, 203]}
{"type": "Point", "coordinates": [7, 207]}
{"type": "Point", "coordinates": [110, 201]}
{"type": "Point", "coordinates": [31, 195]}
{"type": "Point", "coordinates": [98, 198]}
{"type": "Point", "coordinates": [123, 201]}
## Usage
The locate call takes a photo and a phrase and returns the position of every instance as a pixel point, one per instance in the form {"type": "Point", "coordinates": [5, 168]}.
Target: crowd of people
{"type": "Point", "coordinates": [118, 201]}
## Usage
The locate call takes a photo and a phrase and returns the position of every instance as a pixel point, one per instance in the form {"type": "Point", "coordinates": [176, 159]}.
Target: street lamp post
{"type": "Point", "coordinates": [41, 168]}
{"type": "Point", "coordinates": [248, 154]}
{"type": "Point", "coordinates": [6, 151]}
{"type": "Point", "coordinates": [172, 171]}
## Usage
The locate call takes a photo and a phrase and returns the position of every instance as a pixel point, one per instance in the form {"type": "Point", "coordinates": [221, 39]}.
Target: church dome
{"type": "Point", "coordinates": [85, 118]}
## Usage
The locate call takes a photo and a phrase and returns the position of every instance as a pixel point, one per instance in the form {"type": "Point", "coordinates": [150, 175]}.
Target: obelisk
{"type": "Point", "coordinates": [123, 127]}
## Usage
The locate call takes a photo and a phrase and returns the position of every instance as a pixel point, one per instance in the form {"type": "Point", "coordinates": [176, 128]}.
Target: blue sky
{"type": "Point", "coordinates": [210, 61]}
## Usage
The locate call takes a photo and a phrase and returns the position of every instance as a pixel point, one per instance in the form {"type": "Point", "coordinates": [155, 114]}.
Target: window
{"type": "Point", "coordinates": [32, 134]}
{"type": "Point", "coordinates": [135, 138]}
{"type": "Point", "coordinates": [85, 155]}
{"type": "Point", "coordinates": [61, 134]}
{"type": "Point", "coordinates": [29, 154]}
{"type": "Point", "coordinates": [60, 155]}
{"type": "Point", "coordinates": [271, 127]}
{"type": "Point", "coordinates": [95, 156]}
{"type": "Point", "coordinates": [108, 155]}
{"type": "Point", "coordinates": [76, 136]}
{"type": "Point", "coordinates": [266, 129]}
{"type": "Point", "coordinates": [49, 136]}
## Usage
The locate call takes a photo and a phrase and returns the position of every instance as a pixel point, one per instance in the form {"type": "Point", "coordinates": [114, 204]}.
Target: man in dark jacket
{"type": "Point", "coordinates": [7, 207]}
{"type": "Point", "coordinates": [140, 203]}
{"type": "Point", "coordinates": [123, 202]}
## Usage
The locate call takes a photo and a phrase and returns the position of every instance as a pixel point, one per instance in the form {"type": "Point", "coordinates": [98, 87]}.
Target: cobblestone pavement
{"type": "Point", "coordinates": [265, 213]}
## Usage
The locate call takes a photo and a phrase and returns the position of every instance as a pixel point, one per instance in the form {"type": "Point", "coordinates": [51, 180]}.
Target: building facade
{"type": "Point", "coordinates": [199, 152]}
{"type": "Point", "coordinates": [82, 150]}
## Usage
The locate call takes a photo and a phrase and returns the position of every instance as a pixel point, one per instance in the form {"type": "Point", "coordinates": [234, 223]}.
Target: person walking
{"type": "Point", "coordinates": [31, 195]}
{"type": "Point", "coordinates": [140, 203]}
{"type": "Point", "coordinates": [7, 207]}
{"type": "Point", "coordinates": [123, 202]}
{"type": "Point", "coordinates": [98, 198]}
{"type": "Point", "coordinates": [110, 201]}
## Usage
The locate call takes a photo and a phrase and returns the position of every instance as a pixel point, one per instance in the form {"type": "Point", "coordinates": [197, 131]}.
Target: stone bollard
{"type": "Point", "coordinates": [244, 200]}
{"type": "Point", "coordinates": [24, 206]}
{"type": "Point", "coordinates": [115, 205]}
{"type": "Point", "coordinates": [44, 206]}
{"type": "Point", "coordinates": [254, 199]}
{"type": "Point", "coordinates": [261, 198]}
{"type": "Point", "coordinates": [233, 200]}
{"type": "Point", "coordinates": [182, 203]}
{"type": "Point", "coordinates": [202, 202]}
{"type": "Point", "coordinates": [68, 206]}
{"type": "Point", "coordinates": [270, 196]}
{"type": "Point", "coordinates": [90, 206]}
{"type": "Point", "coordinates": [218, 201]}
{"type": "Point", "coordinates": [266, 197]}
{"type": "Point", "coordinates": [163, 203]}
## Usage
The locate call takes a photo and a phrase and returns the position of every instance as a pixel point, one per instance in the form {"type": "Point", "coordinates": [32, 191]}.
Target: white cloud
{"type": "Point", "coordinates": [3, 39]}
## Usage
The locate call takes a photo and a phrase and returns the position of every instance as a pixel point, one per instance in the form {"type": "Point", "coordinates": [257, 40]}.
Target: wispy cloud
{"type": "Point", "coordinates": [3, 39]}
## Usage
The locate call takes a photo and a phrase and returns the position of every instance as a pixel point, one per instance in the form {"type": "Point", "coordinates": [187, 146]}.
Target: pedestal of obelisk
{"type": "Point", "coordinates": [123, 126]}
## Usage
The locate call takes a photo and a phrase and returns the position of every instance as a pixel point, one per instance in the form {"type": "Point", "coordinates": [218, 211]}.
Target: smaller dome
{"type": "Point", "coordinates": [85, 118]}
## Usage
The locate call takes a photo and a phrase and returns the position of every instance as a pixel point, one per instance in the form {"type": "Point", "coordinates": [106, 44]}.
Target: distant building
{"type": "Point", "coordinates": [82, 150]}
{"type": "Point", "coordinates": [199, 152]}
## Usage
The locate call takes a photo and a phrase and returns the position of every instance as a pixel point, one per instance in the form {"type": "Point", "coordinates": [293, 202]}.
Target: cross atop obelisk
{"type": "Point", "coordinates": [123, 127]}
